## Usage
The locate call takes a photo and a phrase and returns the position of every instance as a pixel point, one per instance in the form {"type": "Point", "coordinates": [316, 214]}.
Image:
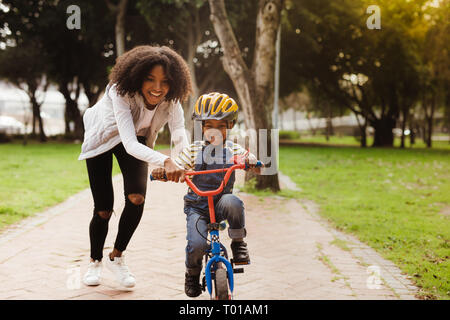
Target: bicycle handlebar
{"type": "Point", "coordinates": [224, 182]}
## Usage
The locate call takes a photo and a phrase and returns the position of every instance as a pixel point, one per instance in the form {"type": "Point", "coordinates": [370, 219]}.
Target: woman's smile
{"type": "Point", "coordinates": [155, 94]}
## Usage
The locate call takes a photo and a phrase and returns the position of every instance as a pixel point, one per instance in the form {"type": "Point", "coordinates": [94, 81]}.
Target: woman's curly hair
{"type": "Point", "coordinates": [132, 68]}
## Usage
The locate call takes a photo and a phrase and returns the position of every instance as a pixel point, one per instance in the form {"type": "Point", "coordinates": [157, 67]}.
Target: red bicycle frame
{"type": "Point", "coordinates": [211, 193]}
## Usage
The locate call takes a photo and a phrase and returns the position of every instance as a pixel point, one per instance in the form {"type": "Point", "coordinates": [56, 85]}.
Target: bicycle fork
{"type": "Point", "coordinates": [215, 251]}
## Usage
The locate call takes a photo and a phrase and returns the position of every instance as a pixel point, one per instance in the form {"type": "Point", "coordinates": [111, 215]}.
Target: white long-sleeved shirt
{"type": "Point", "coordinates": [115, 119]}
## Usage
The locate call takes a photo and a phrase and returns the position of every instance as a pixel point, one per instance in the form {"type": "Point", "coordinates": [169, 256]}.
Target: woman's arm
{"type": "Point", "coordinates": [127, 132]}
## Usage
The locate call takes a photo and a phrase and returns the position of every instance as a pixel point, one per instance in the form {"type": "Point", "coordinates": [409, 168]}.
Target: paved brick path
{"type": "Point", "coordinates": [294, 254]}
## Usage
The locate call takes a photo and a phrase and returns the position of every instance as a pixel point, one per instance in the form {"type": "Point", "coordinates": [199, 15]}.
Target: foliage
{"type": "Point", "coordinates": [288, 135]}
{"type": "Point", "coordinates": [375, 73]}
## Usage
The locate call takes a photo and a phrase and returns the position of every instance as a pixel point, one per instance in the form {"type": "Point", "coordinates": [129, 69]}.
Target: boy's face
{"type": "Point", "coordinates": [215, 131]}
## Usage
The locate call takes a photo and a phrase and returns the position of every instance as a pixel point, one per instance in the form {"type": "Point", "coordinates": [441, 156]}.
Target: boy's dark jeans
{"type": "Point", "coordinates": [229, 208]}
{"type": "Point", "coordinates": [134, 174]}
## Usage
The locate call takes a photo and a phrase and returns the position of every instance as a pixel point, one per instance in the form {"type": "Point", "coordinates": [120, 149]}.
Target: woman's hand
{"type": "Point", "coordinates": [158, 174]}
{"type": "Point", "coordinates": [173, 171]}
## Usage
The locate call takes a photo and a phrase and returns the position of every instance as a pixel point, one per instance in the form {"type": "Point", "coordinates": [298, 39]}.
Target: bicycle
{"type": "Point", "coordinates": [216, 256]}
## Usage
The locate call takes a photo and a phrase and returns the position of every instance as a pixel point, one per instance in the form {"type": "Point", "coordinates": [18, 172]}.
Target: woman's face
{"type": "Point", "coordinates": [155, 87]}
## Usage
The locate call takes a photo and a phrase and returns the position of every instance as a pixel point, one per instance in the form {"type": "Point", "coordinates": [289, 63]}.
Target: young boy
{"type": "Point", "coordinates": [217, 113]}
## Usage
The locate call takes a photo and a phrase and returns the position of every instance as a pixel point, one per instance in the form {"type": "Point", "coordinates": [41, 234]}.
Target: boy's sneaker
{"type": "Point", "coordinates": [192, 286]}
{"type": "Point", "coordinates": [240, 252]}
{"type": "Point", "coordinates": [121, 271]}
{"type": "Point", "coordinates": [92, 276]}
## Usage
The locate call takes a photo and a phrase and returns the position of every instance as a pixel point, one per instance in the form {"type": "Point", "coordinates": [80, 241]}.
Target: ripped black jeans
{"type": "Point", "coordinates": [135, 175]}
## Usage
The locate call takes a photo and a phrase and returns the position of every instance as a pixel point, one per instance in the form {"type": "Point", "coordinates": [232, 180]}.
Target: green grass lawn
{"type": "Point", "coordinates": [38, 176]}
{"type": "Point", "coordinates": [351, 141]}
{"type": "Point", "coordinates": [397, 201]}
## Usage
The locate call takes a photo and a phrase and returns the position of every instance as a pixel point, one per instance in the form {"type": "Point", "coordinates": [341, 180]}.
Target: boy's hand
{"type": "Point", "coordinates": [173, 171]}
{"type": "Point", "coordinates": [159, 173]}
{"type": "Point", "coordinates": [251, 161]}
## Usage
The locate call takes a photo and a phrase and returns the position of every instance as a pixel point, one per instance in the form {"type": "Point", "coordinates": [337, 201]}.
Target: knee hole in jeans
{"type": "Point", "coordinates": [136, 198]}
{"type": "Point", "coordinates": [104, 214]}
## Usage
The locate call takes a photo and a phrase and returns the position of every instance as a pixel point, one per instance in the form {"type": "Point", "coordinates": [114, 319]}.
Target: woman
{"type": "Point", "coordinates": [144, 93]}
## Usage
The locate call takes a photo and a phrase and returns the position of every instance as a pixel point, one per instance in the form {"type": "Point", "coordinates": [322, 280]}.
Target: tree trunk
{"type": "Point", "coordinates": [72, 113]}
{"type": "Point", "coordinates": [384, 136]}
{"type": "Point", "coordinates": [428, 130]}
{"type": "Point", "coordinates": [232, 61]}
{"type": "Point", "coordinates": [403, 126]}
{"type": "Point", "coordinates": [364, 135]}
{"type": "Point", "coordinates": [92, 92]}
{"type": "Point", "coordinates": [37, 112]}
{"type": "Point", "coordinates": [120, 10]}
{"type": "Point", "coordinates": [362, 130]}
{"type": "Point", "coordinates": [412, 129]}
{"type": "Point", "coordinates": [31, 90]}
{"type": "Point", "coordinates": [120, 27]}
{"type": "Point", "coordinates": [193, 42]}
{"type": "Point", "coordinates": [33, 121]}
{"type": "Point", "coordinates": [254, 87]}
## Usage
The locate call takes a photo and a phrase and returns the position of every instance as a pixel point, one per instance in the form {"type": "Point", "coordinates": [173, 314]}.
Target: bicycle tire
{"type": "Point", "coordinates": [221, 284]}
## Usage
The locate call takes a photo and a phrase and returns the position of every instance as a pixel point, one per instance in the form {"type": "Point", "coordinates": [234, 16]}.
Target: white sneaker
{"type": "Point", "coordinates": [121, 271]}
{"type": "Point", "coordinates": [92, 276]}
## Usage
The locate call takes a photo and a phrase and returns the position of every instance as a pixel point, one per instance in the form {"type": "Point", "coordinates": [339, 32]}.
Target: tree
{"type": "Point", "coordinates": [79, 57]}
{"type": "Point", "coordinates": [97, 35]}
{"type": "Point", "coordinates": [24, 62]}
{"type": "Point", "coordinates": [24, 67]}
{"type": "Point", "coordinates": [253, 85]}
{"type": "Point", "coordinates": [120, 11]}
{"type": "Point", "coordinates": [74, 58]}
{"type": "Point", "coordinates": [373, 73]}
{"type": "Point", "coordinates": [435, 66]}
{"type": "Point", "coordinates": [318, 37]}
{"type": "Point", "coordinates": [189, 31]}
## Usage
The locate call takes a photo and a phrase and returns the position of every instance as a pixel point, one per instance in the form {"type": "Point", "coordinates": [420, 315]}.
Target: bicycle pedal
{"type": "Point", "coordinates": [238, 270]}
{"type": "Point", "coordinates": [240, 263]}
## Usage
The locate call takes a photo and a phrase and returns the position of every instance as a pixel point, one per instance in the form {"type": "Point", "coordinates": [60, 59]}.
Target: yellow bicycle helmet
{"type": "Point", "coordinates": [215, 106]}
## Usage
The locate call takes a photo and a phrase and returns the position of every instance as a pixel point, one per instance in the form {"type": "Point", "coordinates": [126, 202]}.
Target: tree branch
{"type": "Point", "coordinates": [111, 6]}
{"type": "Point", "coordinates": [233, 63]}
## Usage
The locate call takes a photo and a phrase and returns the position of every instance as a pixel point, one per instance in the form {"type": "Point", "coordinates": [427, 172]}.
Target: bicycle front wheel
{"type": "Point", "coordinates": [221, 284]}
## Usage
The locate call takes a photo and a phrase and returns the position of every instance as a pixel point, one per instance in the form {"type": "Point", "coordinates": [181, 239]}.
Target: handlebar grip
{"type": "Point", "coordinates": [153, 179]}
{"type": "Point", "coordinates": [258, 164]}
